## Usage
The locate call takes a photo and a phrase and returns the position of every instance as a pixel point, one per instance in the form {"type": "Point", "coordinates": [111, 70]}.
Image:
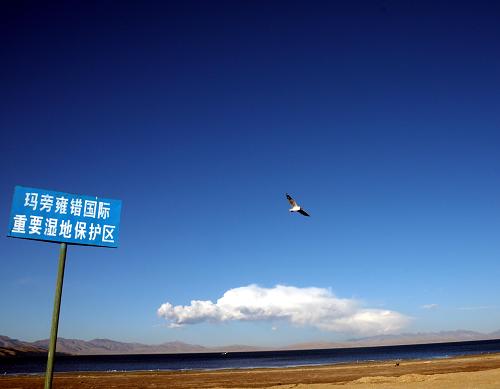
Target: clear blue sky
{"type": "Point", "coordinates": [380, 118]}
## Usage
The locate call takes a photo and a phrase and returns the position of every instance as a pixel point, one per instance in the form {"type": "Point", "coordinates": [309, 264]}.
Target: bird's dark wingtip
{"type": "Point", "coordinates": [301, 211]}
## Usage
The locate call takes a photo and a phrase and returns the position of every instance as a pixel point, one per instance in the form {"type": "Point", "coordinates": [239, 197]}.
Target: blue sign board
{"type": "Point", "coordinates": [63, 217]}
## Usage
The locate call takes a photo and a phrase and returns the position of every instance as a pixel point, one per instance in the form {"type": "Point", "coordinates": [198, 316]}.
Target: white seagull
{"type": "Point", "coordinates": [295, 206]}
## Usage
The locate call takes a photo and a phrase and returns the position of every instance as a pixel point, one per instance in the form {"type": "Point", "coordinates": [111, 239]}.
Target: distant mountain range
{"type": "Point", "coordinates": [402, 339]}
{"type": "Point", "coordinates": [14, 347]}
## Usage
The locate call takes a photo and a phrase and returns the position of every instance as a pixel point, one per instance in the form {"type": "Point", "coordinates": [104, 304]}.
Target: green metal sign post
{"type": "Point", "coordinates": [55, 317]}
{"type": "Point", "coordinates": [66, 218]}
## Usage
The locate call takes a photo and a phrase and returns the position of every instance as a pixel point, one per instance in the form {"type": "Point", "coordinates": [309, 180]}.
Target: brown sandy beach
{"type": "Point", "coordinates": [478, 371]}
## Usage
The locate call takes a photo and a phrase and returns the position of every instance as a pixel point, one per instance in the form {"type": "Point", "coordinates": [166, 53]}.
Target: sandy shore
{"type": "Point", "coordinates": [479, 371]}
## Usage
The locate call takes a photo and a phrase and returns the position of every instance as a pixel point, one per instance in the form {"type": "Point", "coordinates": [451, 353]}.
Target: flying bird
{"type": "Point", "coordinates": [295, 206]}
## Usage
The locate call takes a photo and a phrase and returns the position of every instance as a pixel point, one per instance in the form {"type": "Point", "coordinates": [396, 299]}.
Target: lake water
{"type": "Point", "coordinates": [238, 360]}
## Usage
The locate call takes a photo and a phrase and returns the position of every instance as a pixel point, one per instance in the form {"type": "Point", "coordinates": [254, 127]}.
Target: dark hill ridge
{"type": "Point", "coordinates": [14, 347]}
{"type": "Point", "coordinates": [107, 346]}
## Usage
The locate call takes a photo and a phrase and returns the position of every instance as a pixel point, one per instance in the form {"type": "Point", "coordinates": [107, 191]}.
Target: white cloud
{"type": "Point", "coordinates": [429, 306]}
{"type": "Point", "coordinates": [316, 307]}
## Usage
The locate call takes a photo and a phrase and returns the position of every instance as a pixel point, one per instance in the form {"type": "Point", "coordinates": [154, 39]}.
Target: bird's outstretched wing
{"type": "Point", "coordinates": [303, 212]}
{"type": "Point", "coordinates": [291, 201]}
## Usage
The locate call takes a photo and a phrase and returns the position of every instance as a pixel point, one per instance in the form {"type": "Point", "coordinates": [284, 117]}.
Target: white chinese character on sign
{"type": "Point", "coordinates": [103, 212]}
{"type": "Point", "coordinates": [65, 228]}
{"type": "Point", "coordinates": [107, 234]}
{"type": "Point", "coordinates": [61, 205]}
{"type": "Point", "coordinates": [19, 224]}
{"type": "Point", "coordinates": [50, 227]}
{"type": "Point", "coordinates": [80, 230]}
{"type": "Point", "coordinates": [89, 208]}
{"type": "Point", "coordinates": [94, 231]}
{"type": "Point", "coordinates": [76, 207]}
{"type": "Point", "coordinates": [31, 200]}
{"type": "Point", "coordinates": [46, 202]}
{"type": "Point", "coordinates": [35, 225]}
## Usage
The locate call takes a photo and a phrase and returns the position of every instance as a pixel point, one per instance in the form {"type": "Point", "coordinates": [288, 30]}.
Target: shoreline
{"type": "Point", "coordinates": [478, 370]}
{"type": "Point", "coordinates": [257, 368]}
